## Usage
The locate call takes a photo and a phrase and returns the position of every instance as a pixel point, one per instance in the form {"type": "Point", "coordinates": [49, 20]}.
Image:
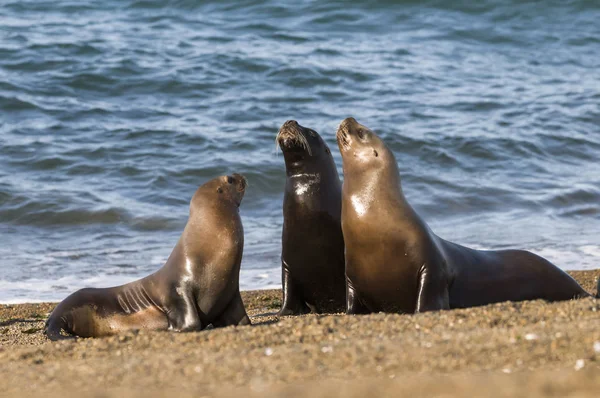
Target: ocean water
{"type": "Point", "coordinates": [113, 112]}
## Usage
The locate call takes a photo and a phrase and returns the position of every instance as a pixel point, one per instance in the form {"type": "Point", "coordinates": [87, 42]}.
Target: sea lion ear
{"type": "Point", "coordinates": [220, 190]}
{"type": "Point", "coordinates": [327, 151]}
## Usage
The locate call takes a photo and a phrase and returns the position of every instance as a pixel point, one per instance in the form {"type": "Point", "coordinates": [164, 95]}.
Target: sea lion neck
{"type": "Point", "coordinates": [301, 165]}
{"type": "Point", "coordinates": [366, 175]}
{"type": "Point", "coordinates": [368, 187]}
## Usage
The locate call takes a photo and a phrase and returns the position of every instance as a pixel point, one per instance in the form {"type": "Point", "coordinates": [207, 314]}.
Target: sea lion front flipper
{"type": "Point", "coordinates": [354, 305]}
{"type": "Point", "coordinates": [433, 292]}
{"type": "Point", "coordinates": [53, 327]}
{"type": "Point", "coordinates": [185, 318]}
{"type": "Point", "coordinates": [234, 314]}
{"type": "Point", "coordinates": [293, 302]}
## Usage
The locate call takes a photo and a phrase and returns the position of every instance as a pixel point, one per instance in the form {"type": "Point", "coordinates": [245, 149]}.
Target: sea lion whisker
{"type": "Point", "coordinates": [277, 144]}
{"type": "Point", "coordinates": [304, 142]}
{"type": "Point", "coordinates": [295, 136]}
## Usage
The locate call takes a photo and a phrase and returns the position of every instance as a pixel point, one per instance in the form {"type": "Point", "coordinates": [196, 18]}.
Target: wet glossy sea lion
{"type": "Point", "coordinates": [312, 255]}
{"type": "Point", "coordinates": [198, 285]}
{"type": "Point", "coordinates": [395, 263]}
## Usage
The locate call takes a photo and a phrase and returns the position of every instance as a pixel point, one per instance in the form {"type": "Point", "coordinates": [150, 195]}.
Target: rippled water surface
{"type": "Point", "coordinates": [113, 112]}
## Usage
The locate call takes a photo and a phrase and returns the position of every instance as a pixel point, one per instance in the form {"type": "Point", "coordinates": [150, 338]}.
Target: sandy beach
{"type": "Point", "coordinates": [508, 349]}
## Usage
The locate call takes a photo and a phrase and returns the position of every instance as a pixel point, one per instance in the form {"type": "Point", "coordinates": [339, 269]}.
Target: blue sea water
{"type": "Point", "coordinates": [113, 112]}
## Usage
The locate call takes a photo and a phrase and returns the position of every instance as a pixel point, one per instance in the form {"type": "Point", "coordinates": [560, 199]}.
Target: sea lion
{"type": "Point", "coordinates": [395, 263]}
{"type": "Point", "coordinates": [312, 257]}
{"type": "Point", "coordinates": [197, 286]}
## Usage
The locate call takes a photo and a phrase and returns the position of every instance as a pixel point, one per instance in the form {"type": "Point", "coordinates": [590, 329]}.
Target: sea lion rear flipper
{"type": "Point", "coordinates": [234, 314]}
{"type": "Point", "coordinates": [293, 302]}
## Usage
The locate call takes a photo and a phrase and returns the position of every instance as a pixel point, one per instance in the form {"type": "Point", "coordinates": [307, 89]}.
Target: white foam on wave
{"type": "Point", "coordinates": [590, 250]}
{"type": "Point", "coordinates": [265, 278]}
{"type": "Point", "coordinates": [38, 290]}
{"type": "Point", "coordinates": [577, 258]}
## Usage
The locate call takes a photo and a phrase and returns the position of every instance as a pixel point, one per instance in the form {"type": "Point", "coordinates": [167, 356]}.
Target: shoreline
{"type": "Point", "coordinates": [531, 348]}
{"type": "Point", "coordinates": [267, 288]}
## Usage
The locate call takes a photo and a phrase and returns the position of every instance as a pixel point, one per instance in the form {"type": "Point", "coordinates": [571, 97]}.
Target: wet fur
{"type": "Point", "coordinates": [198, 285]}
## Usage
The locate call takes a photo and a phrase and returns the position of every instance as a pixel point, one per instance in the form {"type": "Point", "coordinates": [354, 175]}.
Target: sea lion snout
{"type": "Point", "coordinates": [241, 181]}
{"type": "Point", "coordinates": [291, 138]}
{"type": "Point", "coordinates": [344, 132]}
{"type": "Point", "coordinates": [289, 130]}
{"type": "Point", "coordinates": [236, 180]}
{"type": "Point", "coordinates": [290, 124]}
{"type": "Point", "coordinates": [348, 125]}
{"type": "Point", "coordinates": [350, 131]}
{"type": "Point", "coordinates": [232, 187]}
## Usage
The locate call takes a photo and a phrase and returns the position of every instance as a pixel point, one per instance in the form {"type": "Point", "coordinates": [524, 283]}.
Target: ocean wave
{"type": "Point", "coordinates": [574, 202]}
{"type": "Point", "coordinates": [13, 104]}
{"type": "Point", "coordinates": [112, 119]}
{"type": "Point", "coordinates": [44, 215]}
{"type": "Point", "coordinates": [38, 290]}
{"type": "Point", "coordinates": [20, 210]}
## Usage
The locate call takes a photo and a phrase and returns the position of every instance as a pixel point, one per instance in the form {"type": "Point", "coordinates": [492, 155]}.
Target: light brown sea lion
{"type": "Point", "coordinates": [395, 263]}
{"type": "Point", "coordinates": [312, 257]}
{"type": "Point", "coordinates": [198, 285]}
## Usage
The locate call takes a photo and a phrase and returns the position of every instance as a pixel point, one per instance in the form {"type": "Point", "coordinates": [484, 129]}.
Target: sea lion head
{"type": "Point", "coordinates": [300, 144]}
{"type": "Point", "coordinates": [361, 149]}
{"type": "Point", "coordinates": [227, 189]}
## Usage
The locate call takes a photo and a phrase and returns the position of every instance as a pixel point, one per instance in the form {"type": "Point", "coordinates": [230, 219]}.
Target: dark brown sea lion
{"type": "Point", "coordinates": [198, 285]}
{"type": "Point", "coordinates": [395, 263]}
{"type": "Point", "coordinates": [312, 255]}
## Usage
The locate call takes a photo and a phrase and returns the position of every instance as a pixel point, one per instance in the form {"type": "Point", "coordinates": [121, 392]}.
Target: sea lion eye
{"type": "Point", "coordinates": [312, 133]}
{"type": "Point", "coordinates": [327, 150]}
{"type": "Point", "coordinates": [375, 152]}
{"type": "Point", "coordinates": [230, 180]}
{"type": "Point", "coordinates": [220, 190]}
{"type": "Point", "coordinates": [360, 133]}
